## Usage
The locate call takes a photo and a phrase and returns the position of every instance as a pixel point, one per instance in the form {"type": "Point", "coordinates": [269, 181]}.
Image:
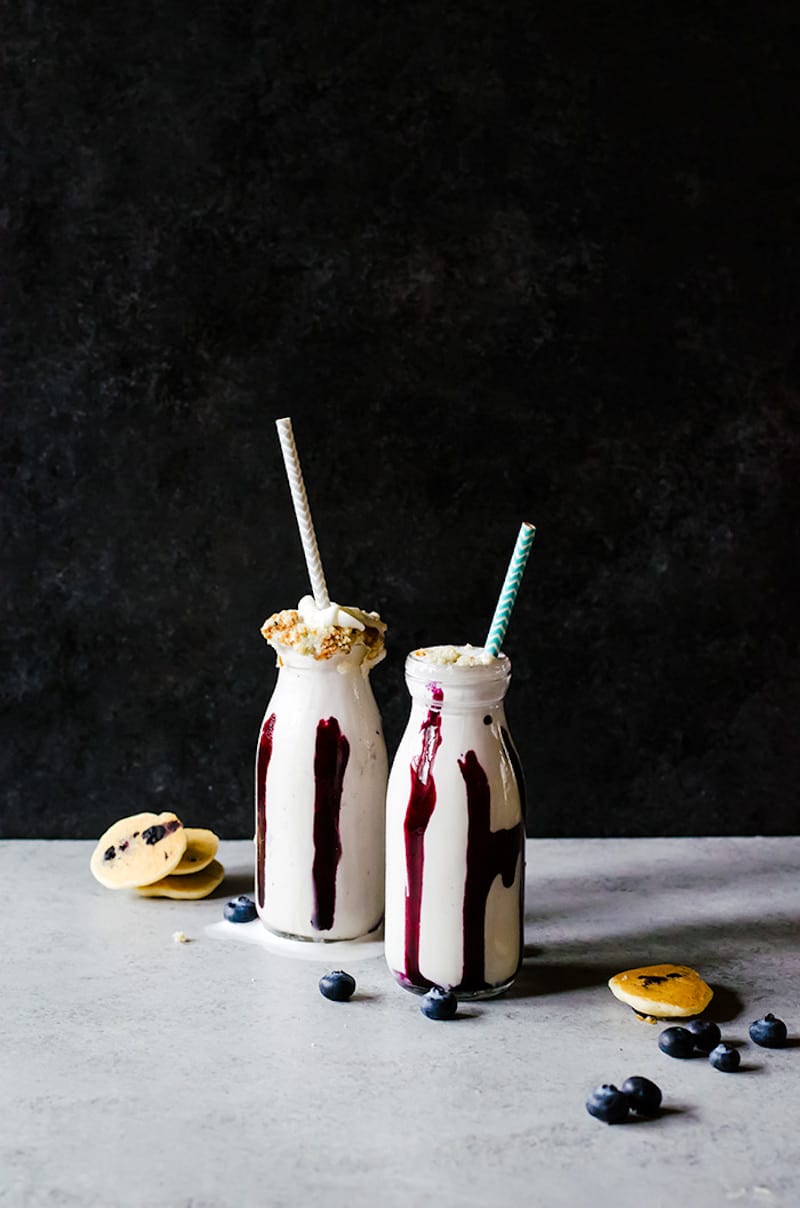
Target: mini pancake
{"type": "Point", "coordinates": [201, 847]}
{"type": "Point", "coordinates": [663, 991]}
{"type": "Point", "coordinates": [195, 885]}
{"type": "Point", "coordinates": [138, 850]}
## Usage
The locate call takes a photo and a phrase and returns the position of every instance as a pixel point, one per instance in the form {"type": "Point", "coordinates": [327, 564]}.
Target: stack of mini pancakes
{"type": "Point", "coordinates": [158, 857]}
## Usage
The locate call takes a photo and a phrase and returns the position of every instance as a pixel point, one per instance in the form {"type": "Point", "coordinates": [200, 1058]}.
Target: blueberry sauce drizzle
{"type": "Point", "coordinates": [331, 754]}
{"type": "Point", "coordinates": [421, 804]}
{"type": "Point", "coordinates": [262, 763]}
{"type": "Point", "coordinates": [489, 854]}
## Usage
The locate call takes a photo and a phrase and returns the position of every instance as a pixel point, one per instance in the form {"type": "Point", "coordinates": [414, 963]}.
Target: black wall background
{"type": "Point", "coordinates": [498, 262]}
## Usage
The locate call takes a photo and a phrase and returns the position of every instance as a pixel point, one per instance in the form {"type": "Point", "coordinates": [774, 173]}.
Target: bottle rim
{"type": "Point", "coordinates": [422, 671]}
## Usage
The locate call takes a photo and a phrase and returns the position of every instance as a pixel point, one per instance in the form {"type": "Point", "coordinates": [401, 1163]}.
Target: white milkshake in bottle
{"type": "Point", "coordinates": [455, 829]}
{"type": "Point", "coordinates": [321, 772]}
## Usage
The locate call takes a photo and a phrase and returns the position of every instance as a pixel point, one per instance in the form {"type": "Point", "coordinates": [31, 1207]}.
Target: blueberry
{"type": "Point", "coordinates": [706, 1034]}
{"type": "Point", "coordinates": [240, 910]}
{"type": "Point", "coordinates": [676, 1042]}
{"type": "Point", "coordinates": [643, 1096]}
{"type": "Point", "coordinates": [724, 1057]}
{"type": "Point", "coordinates": [769, 1032]}
{"type": "Point", "coordinates": [439, 1003]}
{"type": "Point", "coordinates": [338, 985]}
{"type": "Point", "coordinates": [608, 1104]}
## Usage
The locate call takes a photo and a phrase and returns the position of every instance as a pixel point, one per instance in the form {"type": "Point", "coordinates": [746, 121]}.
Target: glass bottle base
{"type": "Point", "coordinates": [463, 995]}
{"type": "Point", "coordinates": [323, 939]}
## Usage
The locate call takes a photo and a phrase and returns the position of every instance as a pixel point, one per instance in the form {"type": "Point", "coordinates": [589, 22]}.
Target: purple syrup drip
{"type": "Point", "coordinates": [262, 763]}
{"type": "Point", "coordinates": [331, 754]}
{"type": "Point", "coordinates": [489, 854]}
{"type": "Point", "coordinates": [420, 809]}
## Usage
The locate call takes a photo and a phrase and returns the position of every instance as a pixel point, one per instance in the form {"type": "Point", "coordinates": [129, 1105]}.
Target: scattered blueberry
{"type": "Point", "coordinates": [608, 1104]}
{"type": "Point", "coordinates": [240, 910]}
{"type": "Point", "coordinates": [706, 1034]}
{"type": "Point", "coordinates": [724, 1057]}
{"type": "Point", "coordinates": [338, 986]}
{"type": "Point", "coordinates": [439, 1003]}
{"type": "Point", "coordinates": [643, 1096]}
{"type": "Point", "coordinates": [769, 1032]}
{"type": "Point", "coordinates": [676, 1042]}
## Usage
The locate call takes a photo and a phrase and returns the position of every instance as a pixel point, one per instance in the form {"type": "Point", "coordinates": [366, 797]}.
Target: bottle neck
{"type": "Point", "coordinates": [457, 687]}
{"type": "Point", "coordinates": [345, 663]}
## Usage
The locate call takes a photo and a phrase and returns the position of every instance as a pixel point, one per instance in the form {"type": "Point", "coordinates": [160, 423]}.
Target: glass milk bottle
{"type": "Point", "coordinates": [455, 830]}
{"type": "Point", "coordinates": [321, 772]}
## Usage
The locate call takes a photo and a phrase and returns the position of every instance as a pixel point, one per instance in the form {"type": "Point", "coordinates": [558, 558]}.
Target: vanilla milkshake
{"type": "Point", "coordinates": [321, 772]}
{"type": "Point", "coordinates": [455, 829]}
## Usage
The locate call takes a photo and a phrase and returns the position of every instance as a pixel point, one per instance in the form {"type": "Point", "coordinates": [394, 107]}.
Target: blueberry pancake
{"type": "Point", "coordinates": [201, 848]}
{"type": "Point", "coordinates": [195, 885]}
{"type": "Point", "coordinates": [138, 850]}
{"type": "Point", "coordinates": [663, 991]}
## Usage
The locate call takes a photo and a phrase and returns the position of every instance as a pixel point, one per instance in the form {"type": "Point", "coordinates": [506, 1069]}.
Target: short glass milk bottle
{"type": "Point", "coordinates": [321, 772]}
{"type": "Point", "coordinates": [455, 830]}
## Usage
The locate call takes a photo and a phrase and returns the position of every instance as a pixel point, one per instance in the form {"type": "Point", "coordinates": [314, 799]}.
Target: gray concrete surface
{"type": "Point", "coordinates": [138, 1071]}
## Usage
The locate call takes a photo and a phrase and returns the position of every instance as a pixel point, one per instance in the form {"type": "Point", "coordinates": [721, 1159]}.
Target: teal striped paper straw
{"type": "Point", "coordinates": [508, 594]}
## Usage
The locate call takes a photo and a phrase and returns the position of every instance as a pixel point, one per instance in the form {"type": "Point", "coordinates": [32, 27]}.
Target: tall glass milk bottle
{"type": "Point", "coordinates": [455, 830]}
{"type": "Point", "coordinates": [321, 770]}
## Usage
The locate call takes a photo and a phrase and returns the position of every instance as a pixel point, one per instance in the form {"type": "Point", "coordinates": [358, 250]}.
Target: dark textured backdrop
{"type": "Point", "coordinates": [498, 261]}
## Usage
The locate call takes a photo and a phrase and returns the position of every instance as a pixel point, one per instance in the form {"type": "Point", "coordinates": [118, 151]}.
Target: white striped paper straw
{"type": "Point", "coordinates": [303, 513]}
{"type": "Point", "coordinates": [508, 593]}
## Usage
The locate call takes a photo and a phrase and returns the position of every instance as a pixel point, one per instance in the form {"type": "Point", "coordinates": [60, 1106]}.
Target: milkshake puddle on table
{"type": "Point", "coordinates": [321, 771]}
